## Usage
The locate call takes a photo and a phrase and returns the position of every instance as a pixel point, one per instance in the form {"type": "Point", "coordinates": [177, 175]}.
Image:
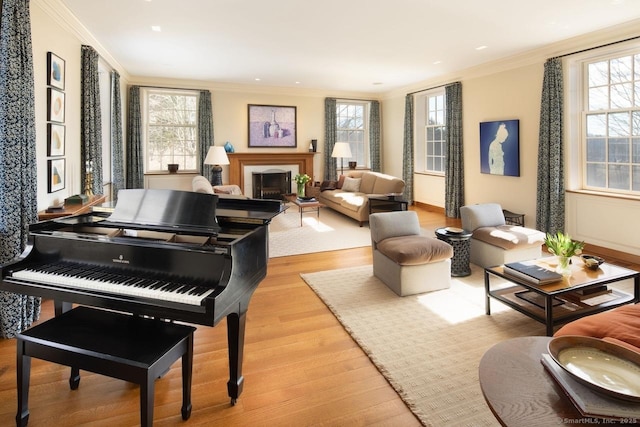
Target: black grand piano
{"type": "Point", "coordinates": [166, 254]}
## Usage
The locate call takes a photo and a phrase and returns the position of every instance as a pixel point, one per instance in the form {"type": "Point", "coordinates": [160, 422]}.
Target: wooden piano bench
{"type": "Point", "coordinates": [122, 346]}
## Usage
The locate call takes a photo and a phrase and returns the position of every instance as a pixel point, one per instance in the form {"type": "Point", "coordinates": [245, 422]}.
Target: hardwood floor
{"type": "Point", "coordinates": [300, 367]}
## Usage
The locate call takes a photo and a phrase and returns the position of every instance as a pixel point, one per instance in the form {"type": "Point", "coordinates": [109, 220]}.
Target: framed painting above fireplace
{"type": "Point", "coordinates": [272, 126]}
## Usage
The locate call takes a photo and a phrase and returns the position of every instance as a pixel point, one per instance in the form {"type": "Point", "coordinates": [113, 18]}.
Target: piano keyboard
{"type": "Point", "coordinates": [111, 280]}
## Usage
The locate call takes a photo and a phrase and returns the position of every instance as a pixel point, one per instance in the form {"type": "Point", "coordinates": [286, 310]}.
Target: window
{"type": "Point", "coordinates": [611, 123]}
{"type": "Point", "coordinates": [170, 129]}
{"type": "Point", "coordinates": [353, 127]}
{"type": "Point", "coordinates": [430, 132]}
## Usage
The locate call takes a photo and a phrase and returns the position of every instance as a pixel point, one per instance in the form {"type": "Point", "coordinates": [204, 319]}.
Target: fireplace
{"type": "Point", "coordinates": [242, 166]}
{"type": "Point", "coordinates": [271, 184]}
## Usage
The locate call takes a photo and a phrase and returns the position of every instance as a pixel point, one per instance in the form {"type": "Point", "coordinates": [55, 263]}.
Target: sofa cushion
{"type": "Point", "coordinates": [386, 184]}
{"type": "Point", "coordinates": [415, 249]}
{"type": "Point", "coordinates": [622, 324]}
{"type": "Point", "coordinates": [340, 182]}
{"type": "Point", "coordinates": [351, 184]}
{"type": "Point", "coordinates": [351, 201]}
{"type": "Point", "coordinates": [509, 236]}
{"type": "Point", "coordinates": [368, 182]}
{"type": "Point", "coordinates": [482, 215]}
{"type": "Point", "coordinates": [200, 184]}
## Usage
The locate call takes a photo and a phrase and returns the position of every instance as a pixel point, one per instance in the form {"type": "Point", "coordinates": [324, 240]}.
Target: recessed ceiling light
{"type": "Point", "coordinates": [437, 62]}
{"type": "Point", "coordinates": [258, 79]}
{"type": "Point", "coordinates": [156, 28]}
{"type": "Point", "coordinates": [377, 83]}
{"type": "Point", "coordinates": [297, 83]}
{"type": "Point", "coordinates": [481, 47]}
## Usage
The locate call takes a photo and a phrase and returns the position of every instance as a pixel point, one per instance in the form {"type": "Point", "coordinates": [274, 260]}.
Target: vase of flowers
{"type": "Point", "coordinates": [562, 246]}
{"type": "Point", "coordinates": [301, 180]}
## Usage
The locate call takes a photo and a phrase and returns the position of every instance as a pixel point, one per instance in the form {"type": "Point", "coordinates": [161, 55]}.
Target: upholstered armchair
{"type": "Point", "coordinates": [494, 242]}
{"type": "Point", "coordinates": [200, 184]}
{"type": "Point", "coordinates": [404, 259]}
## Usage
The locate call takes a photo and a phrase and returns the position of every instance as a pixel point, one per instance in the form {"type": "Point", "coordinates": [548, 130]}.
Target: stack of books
{"type": "Point", "coordinates": [589, 402]}
{"type": "Point", "coordinates": [531, 272]}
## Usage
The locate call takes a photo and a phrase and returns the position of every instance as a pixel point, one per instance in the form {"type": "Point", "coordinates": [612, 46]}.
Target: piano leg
{"type": "Point", "coordinates": [60, 307]}
{"type": "Point", "coordinates": [24, 375]}
{"type": "Point", "coordinates": [235, 337]}
{"type": "Point", "coordinates": [74, 379]}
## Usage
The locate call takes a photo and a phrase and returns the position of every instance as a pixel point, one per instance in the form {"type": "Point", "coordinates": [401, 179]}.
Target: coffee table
{"type": "Point", "coordinates": [520, 392]}
{"type": "Point", "coordinates": [552, 304]}
{"type": "Point", "coordinates": [304, 206]}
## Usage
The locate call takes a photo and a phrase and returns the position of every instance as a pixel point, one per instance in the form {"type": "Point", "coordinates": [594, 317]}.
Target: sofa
{"type": "Point", "coordinates": [493, 242]}
{"type": "Point", "coordinates": [350, 194]}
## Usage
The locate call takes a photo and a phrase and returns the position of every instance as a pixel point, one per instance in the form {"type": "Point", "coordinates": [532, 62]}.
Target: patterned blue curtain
{"type": "Point", "coordinates": [330, 170]}
{"type": "Point", "coordinates": [374, 136]}
{"type": "Point", "coordinates": [91, 120]}
{"type": "Point", "coordinates": [407, 149]}
{"type": "Point", "coordinates": [18, 175]}
{"type": "Point", "coordinates": [454, 174]}
{"type": "Point", "coordinates": [550, 195]}
{"type": "Point", "coordinates": [117, 143]}
{"type": "Point", "coordinates": [205, 127]}
{"type": "Point", "coordinates": [134, 173]}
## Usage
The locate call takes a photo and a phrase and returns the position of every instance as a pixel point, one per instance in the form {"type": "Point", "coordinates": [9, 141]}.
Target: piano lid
{"type": "Point", "coordinates": [166, 209]}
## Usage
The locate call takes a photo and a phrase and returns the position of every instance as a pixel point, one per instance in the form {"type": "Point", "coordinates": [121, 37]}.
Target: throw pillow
{"type": "Point", "coordinates": [340, 182]}
{"type": "Point", "coordinates": [328, 185]}
{"type": "Point", "coordinates": [351, 184]}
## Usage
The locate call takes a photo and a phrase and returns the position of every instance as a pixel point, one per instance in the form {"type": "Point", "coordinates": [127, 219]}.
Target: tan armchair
{"type": "Point", "coordinates": [407, 261]}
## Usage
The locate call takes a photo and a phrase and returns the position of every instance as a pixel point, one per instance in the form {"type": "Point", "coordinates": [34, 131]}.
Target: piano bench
{"type": "Point", "coordinates": [122, 346]}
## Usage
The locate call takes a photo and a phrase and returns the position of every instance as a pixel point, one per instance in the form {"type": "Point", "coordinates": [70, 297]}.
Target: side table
{"type": "Point", "coordinates": [387, 203]}
{"type": "Point", "coordinates": [461, 242]}
{"type": "Point", "coordinates": [513, 218]}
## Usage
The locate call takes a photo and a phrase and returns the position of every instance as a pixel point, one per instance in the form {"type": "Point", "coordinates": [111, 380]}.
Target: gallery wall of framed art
{"type": "Point", "coordinates": [56, 131]}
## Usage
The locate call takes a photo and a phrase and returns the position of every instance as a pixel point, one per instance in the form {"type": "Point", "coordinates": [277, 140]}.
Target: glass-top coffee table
{"type": "Point", "coordinates": [565, 300]}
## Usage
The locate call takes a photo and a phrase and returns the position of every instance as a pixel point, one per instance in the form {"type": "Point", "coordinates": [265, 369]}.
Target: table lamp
{"type": "Point", "coordinates": [341, 150]}
{"type": "Point", "coordinates": [216, 156]}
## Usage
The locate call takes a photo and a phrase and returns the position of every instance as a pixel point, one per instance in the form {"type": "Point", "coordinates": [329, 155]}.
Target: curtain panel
{"type": "Point", "coordinates": [330, 172]}
{"type": "Point", "coordinates": [117, 148]}
{"type": "Point", "coordinates": [407, 149]}
{"type": "Point", "coordinates": [550, 195]}
{"type": "Point", "coordinates": [374, 136]}
{"type": "Point", "coordinates": [91, 121]}
{"type": "Point", "coordinates": [18, 177]}
{"type": "Point", "coordinates": [134, 170]}
{"type": "Point", "coordinates": [454, 174]}
{"type": "Point", "coordinates": [205, 126]}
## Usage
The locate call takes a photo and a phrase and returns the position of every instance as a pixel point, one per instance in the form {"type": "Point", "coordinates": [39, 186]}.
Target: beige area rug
{"type": "Point", "coordinates": [332, 231]}
{"type": "Point", "coordinates": [428, 346]}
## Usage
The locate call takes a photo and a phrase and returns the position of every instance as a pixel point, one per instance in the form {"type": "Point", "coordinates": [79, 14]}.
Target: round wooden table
{"type": "Point", "coordinates": [520, 392]}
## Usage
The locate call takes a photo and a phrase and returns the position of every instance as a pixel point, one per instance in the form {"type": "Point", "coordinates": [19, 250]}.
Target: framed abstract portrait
{"type": "Point", "coordinates": [500, 147]}
{"type": "Point", "coordinates": [55, 169]}
{"type": "Point", "coordinates": [55, 139]}
{"type": "Point", "coordinates": [272, 126]}
{"type": "Point", "coordinates": [56, 71]}
{"type": "Point", "coordinates": [55, 105]}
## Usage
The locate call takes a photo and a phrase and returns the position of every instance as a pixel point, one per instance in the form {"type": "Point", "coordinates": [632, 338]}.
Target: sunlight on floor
{"type": "Point", "coordinates": [316, 224]}
{"type": "Point", "coordinates": [460, 303]}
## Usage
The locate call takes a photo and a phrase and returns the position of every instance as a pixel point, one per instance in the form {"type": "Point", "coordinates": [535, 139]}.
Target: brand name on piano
{"type": "Point", "coordinates": [120, 260]}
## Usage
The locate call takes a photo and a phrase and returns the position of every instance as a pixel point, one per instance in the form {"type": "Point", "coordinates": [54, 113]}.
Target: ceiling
{"type": "Point", "coordinates": [336, 45]}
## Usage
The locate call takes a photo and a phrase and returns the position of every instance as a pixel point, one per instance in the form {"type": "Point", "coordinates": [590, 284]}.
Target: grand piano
{"type": "Point", "coordinates": [173, 255]}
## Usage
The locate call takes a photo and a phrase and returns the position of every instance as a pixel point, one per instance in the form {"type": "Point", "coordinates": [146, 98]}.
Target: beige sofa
{"type": "Point", "coordinates": [352, 198]}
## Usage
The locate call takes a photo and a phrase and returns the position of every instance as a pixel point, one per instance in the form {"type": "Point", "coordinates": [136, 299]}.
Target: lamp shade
{"type": "Point", "coordinates": [341, 149]}
{"type": "Point", "coordinates": [216, 156]}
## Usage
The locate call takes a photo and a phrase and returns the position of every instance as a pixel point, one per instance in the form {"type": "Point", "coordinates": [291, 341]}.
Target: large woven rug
{"type": "Point", "coordinates": [427, 346]}
{"type": "Point", "coordinates": [331, 231]}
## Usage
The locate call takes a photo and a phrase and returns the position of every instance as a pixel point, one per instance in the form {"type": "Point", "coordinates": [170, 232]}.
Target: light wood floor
{"type": "Point", "coordinates": [300, 367]}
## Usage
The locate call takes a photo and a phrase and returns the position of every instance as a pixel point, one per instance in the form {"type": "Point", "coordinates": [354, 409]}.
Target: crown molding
{"type": "Point", "coordinates": [59, 13]}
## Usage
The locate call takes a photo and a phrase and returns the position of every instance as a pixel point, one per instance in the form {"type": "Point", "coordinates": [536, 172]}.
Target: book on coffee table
{"type": "Point", "coordinates": [531, 272]}
{"type": "Point", "coordinates": [587, 401]}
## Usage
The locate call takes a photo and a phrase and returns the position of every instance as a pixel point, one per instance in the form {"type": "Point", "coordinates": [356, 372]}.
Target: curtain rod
{"type": "Point", "coordinates": [430, 88]}
{"type": "Point", "coordinates": [595, 47]}
{"type": "Point", "coordinates": [170, 88]}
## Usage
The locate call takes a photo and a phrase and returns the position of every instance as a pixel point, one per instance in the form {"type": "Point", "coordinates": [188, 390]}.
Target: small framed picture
{"type": "Point", "coordinates": [55, 68]}
{"type": "Point", "coordinates": [56, 174]}
{"type": "Point", "coordinates": [55, 139]}
{"type": "Point", "coordinates": [55, 105]}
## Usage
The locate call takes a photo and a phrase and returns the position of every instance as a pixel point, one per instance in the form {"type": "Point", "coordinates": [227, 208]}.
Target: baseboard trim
{"type": "Point", "coordinates": [609, 254]}
{"type": "Point", "coordinates": [430, 208]}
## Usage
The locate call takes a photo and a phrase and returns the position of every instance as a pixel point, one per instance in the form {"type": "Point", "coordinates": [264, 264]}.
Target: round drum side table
{"type": "Point", "coordinates": [461, 242]}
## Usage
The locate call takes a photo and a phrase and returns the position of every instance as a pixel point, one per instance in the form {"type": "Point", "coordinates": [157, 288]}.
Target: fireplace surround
{"type": "Point", "coordinates": [302, 161]}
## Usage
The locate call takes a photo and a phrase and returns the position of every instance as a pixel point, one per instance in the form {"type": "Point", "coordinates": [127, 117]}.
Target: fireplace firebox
{"type": "Point", "coordinates": [271, 184]}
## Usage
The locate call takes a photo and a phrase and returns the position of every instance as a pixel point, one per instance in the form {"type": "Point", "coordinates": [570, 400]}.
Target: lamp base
{"type": "Point", "coordinates": [216, 175]}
